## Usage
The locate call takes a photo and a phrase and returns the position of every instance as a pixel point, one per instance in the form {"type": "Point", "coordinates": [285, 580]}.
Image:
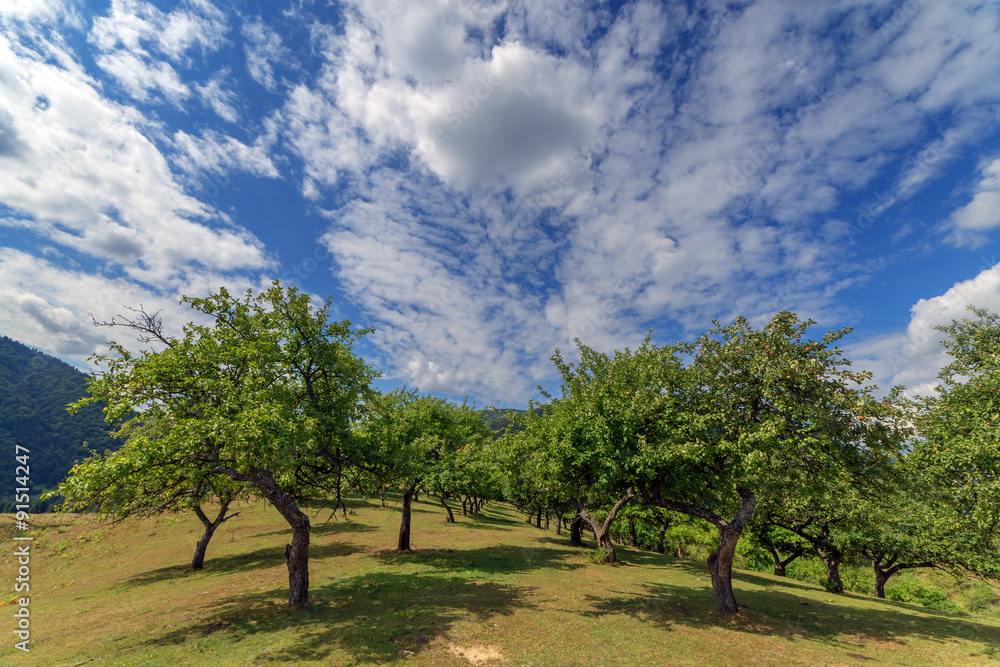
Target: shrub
{"type": "Point", "coordinates": [911, 589]}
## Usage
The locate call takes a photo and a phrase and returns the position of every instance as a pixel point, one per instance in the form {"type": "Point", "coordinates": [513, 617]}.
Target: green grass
{"type": "Point", "coordinates": [486, 590]}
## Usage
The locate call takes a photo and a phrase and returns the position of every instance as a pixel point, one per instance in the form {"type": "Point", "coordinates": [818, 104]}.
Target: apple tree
{"type": "Point", "coordinates": [263, 390]}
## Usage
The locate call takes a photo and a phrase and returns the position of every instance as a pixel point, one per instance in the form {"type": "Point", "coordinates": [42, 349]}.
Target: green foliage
{"type": "Point", "coordinates": [34, 392]}
{"type": "Point", "coordinates": [979, 597]}
{"type": "Point", "coordinates": [269, 384]}
{"type": "Point", "coordinates": [958, 451]}
{"type": "Point", "coordinates": [259, 400]}
{"type": "Point", "coordinates": [424, 440]}
{"type": "Point", "coordinates": [909, 588]}
{"type": "Point", "coordinates": [600, 556]}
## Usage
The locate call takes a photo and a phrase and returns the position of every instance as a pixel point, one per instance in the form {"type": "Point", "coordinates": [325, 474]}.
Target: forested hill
{"type": "Point", "coordinates": [35, 389]}
{"type": "Point", "coordinates": [498, 419]}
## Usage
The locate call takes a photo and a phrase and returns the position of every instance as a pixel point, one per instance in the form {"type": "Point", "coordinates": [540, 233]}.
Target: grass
{"type": "Point", "coordinates": [486, 590]}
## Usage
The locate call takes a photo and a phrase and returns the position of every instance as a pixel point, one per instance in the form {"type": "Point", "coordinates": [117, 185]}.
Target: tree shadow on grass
{"type": "Point", "coordinates": [482, 521]}
{"type": "Point", "coordinates": [785, 613]}
{"type": "Point", "coordinates": [372, 617]}
{"type": "Point", "coordinates": [244, 562]}
{"type": "Point", "coordinates": [500, 559]}
{"type": "Point", "coordinates": [325, 528]}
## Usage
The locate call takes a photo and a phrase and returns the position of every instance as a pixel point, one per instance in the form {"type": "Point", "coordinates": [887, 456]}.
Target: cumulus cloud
{"type": "Point", "coordinates": [50, 306]}
{"type": "Point", "coordinates": [674, 166]}
{"type": "Point", "coordinates": [983, 212]}
{"type": "Point", "coordinates": [914, 357]}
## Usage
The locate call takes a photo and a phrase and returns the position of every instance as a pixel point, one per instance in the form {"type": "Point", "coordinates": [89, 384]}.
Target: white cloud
{"type": "Point", "coordinates": [262, 50]}
{"type": "Point", "coordinates": [91, 181]}
{"type": "Point", "coordinates": [50, 307]}
{"type": "Point", "coordinates": [219, 98]}
{"type": "Point", "coordinates": [212, 152]}
{"type": "Point", "coordinates": [138, 76]}
{"type": "Point", "coordinates": [983, 212]}
{"type": "Point", "coordinates": [134, 34]}
{"type": "Point", "coordinates": [614, 179]}
{"type": "Point", "coordinates": [913, 358]}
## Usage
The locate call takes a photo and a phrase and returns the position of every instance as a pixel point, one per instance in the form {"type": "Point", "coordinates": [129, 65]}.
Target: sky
{"type": "Point", "coordinates": [485, 182]}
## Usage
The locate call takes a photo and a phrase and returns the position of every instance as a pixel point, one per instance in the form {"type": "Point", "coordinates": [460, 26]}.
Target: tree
{"type": "Point", "coordinates": [133, 482]}
{"type": "Point", "coordinates": [783, 546]}
{"type": "Point", "coordinates": [265, 394]}
{"type": "Point", "coordinates": [582, 445]}
{"type": "Point", "coordinates": [763, 411]}
{"type": "Point", "coordinates": [416, 440]}
{"type": "Point", "coordinates": [957, 453]}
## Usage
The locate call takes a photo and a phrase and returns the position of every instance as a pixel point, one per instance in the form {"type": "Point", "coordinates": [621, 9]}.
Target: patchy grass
{"type": "Point", "coordinates": [487, 590]}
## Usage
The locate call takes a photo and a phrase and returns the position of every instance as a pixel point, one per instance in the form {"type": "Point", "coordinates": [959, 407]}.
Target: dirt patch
{"type": "Point", "coordinates": [476, 655]}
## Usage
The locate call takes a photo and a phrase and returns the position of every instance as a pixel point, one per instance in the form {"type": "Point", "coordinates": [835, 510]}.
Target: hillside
{"type": "Point", "coordinates": [487, 590]}
{"type": "Point", "coordinates": [34, 392]}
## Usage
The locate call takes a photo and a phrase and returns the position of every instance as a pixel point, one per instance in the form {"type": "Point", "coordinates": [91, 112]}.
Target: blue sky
{"type": "Point", "coordinates": [484, 182]}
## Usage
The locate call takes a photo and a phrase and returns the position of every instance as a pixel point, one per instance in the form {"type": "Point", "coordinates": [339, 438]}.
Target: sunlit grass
{"type": "Point", "coordinates": [486, 590]}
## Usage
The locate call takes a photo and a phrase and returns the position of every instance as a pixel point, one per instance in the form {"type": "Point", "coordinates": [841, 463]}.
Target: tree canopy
{"type": "Point", "coordinates": [265, 394]}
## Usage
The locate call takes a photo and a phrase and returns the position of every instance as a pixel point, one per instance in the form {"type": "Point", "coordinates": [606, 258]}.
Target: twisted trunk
{"type": "Point", "coordinates": [720, 563]}
{"type": "Point", "coordinates": [602, 531]}
{"type": "Point", "coordinates": [296, 553]}
{"type": "Point", "coordinates": [885, 566]}
{"type": "Point", "coordinates": [198, 562]}
{"type": "Point", "coordinates": [451, 517]}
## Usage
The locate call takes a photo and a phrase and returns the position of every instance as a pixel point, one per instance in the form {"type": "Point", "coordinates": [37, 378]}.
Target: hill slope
{"type": "Point", "coordinates": [487, 590]}
{"type": "Point", "coordinates": [34, 392]}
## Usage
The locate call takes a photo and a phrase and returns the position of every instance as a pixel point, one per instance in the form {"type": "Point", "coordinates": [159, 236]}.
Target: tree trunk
{"type": "Point", "coordinates": [680, 545]}
{"type": "Point", "coordinates": [659, 542]}
{"type": "Point", "coordinates": [633, 538]}
{"type": "Point", "coordinates": [885, 566]}
{"type": "Point", "coordinates": [296, 553]}
{"type": "Point", "coordinates": [720, 565]}
{"type": "Point", "coordinates": [451, 517]}
{"type": "Point", "coordinates": [198, 562]}
{"type": "Point", "coordinates": [546, 519]}
{"type": "Point", "coordinates": [403, 544]}
{"type": "Point", "coordinates": [464, 514]}
{"type": "Point", "coordinates": [576, 532]}
{"type": "Point", "coordinates": [559, 521]}
{"type": "Point", "coordinates": [604, 540]}
{"type": "Point", "coordinates": [779, 565]}
{"type": "Point", "coordinates": [381, 494]}
{"type": "Point", "coordinates": [602, 531]}
{"type": "Point", "coordinates": [881, 577]}
{"type": "Point", "coordinates": [831, 557]}
{"type": "Point", "coordinates": [538, 518]}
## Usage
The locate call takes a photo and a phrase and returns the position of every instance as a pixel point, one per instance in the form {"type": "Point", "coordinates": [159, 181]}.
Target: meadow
{"type": "Point", "coordinates": [487, 590]}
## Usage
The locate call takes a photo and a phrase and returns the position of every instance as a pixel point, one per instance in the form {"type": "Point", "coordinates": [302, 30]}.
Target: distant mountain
{"type": "Point", "coordinates": [35, 389]}
{"type": "Point", "coordinates": [498, 419]}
